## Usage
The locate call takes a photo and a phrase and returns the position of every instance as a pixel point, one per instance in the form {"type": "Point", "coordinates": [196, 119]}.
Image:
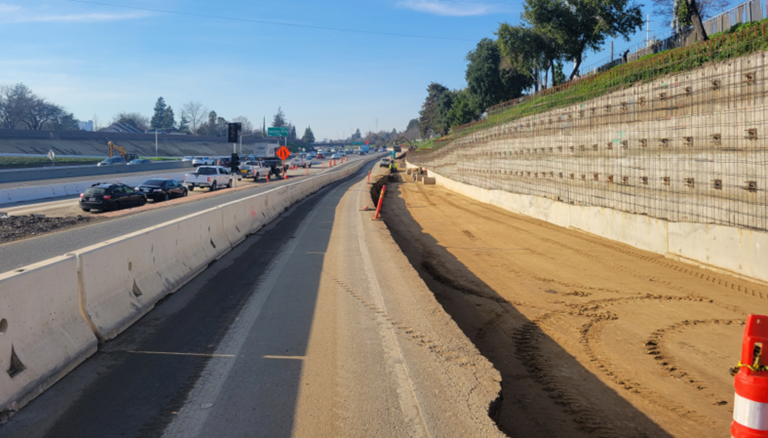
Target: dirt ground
{"type": "Point", "coordinates": [593, 338]}
{"type": "Point", "coordinates": [21, 227]}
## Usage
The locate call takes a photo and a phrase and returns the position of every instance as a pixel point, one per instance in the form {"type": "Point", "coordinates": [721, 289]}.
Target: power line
{"type": "Point", "coordinates": [275, 23]}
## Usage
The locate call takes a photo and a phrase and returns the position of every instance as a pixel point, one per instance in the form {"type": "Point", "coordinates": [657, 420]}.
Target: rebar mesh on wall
{"type": "Point", "coordinates": [689, 147]}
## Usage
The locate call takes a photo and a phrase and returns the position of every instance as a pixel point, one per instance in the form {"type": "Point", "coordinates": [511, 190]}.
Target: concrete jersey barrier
{"type": "Point", "coordinates": [121, 280]}
{"type": "Point", "coordinates": [43, 335]}
{"type": "Point", "coordinates": [40, 173]}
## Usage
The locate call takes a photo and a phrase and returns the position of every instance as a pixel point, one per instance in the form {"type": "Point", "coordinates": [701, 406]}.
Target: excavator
{"type": "Point", "coordinates": [126, 156]}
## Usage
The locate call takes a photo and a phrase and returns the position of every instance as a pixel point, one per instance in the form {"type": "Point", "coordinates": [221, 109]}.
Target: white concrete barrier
{"type": "Point", "coordinates": [42, 332]}
{"type": "Point", "coordinates": [121, 280]}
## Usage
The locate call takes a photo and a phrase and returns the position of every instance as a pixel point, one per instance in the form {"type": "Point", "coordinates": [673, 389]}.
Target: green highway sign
{"type": "Point", "coordinates": [357, 143]}
{"type": "Point", "coordinates": [277, 132]}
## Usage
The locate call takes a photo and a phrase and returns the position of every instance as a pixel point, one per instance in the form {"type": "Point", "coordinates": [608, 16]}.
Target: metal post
{"type": "Point", "coordinates": [155, 142]}
{"type": "Point", "coordinates": [611, 51]}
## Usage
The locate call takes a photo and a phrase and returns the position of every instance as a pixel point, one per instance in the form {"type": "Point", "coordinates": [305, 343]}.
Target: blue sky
{"type": "Point", "coordinates": [97, 59]}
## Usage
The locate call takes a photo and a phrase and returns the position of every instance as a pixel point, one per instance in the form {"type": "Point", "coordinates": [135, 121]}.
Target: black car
{"type": "Point", "coordinates": [108, 196]}
{"type": "Point", "coordinates": [162, 189]}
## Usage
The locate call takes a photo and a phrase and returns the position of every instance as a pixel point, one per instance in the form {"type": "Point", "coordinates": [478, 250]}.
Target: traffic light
{"type": "Point", "coordinates": [234, 129]}
{"type": "Point", "coordinates": [234, 163]}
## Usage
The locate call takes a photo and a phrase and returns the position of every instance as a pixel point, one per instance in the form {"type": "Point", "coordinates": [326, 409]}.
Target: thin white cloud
{"type": "Point", "coordinates": [4, 7]}
{"type": "Point", "coordinates": [453, 10]}
{"type": "Point", "coordinates": [78, 18]}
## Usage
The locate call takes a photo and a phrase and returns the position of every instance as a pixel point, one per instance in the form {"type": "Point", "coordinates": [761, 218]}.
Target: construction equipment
{"type": "Point", "coordinates": [126, 156]}
{"type": "Point", "coordinates": [411, 147]}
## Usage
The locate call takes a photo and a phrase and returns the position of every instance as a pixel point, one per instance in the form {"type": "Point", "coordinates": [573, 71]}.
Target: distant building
{"type": "Point", "coordinates": [124, 128]}
{"type": "Point", "coordinates": [86, 126]}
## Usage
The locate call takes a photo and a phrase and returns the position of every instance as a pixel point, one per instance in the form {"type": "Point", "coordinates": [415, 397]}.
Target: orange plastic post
{"type": "Point", "coordinates": [381, 198]}
{"type": "Point", "coordinates": [369, 176]}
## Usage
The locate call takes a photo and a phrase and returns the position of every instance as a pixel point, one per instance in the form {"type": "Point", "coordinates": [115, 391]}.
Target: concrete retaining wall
{"type": "Point", "coordinates": [737, 251]}
{"type": "Point", "coordinates": [37, 174]}
{"type": "Point", "coordinates": [53, 312]}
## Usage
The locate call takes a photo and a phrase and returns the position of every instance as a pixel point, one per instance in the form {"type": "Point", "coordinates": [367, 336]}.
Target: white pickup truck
{"type": "Point", "coordinates": [255, 170]}
{"type": "Point", "coordinates": [300, 161]}
{"type": "Point", "coordinates": [212, 177]}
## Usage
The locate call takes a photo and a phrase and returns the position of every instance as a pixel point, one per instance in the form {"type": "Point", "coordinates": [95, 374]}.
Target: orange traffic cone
{"type": "Point", "coordinates": [750, 410]}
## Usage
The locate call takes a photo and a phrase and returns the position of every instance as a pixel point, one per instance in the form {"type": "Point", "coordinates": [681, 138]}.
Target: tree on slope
{"type": "Point", "coordinates": [488, 82]}
{"type": "Point", "coordinates": [582, 25]}
{"type": "Point", "coordinates": [429, 116]}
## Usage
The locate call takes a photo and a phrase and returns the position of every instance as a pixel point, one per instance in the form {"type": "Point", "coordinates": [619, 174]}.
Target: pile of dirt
{"type": "Point", "coordinates": [23, 227]}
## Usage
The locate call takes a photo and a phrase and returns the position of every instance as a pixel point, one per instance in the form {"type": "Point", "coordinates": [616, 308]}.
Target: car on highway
{"type": "Point", "coordinates": [300, 161]}
{"type": "Point", "coordinates": [254, 169]}
{"type": "Point", "coordinates": [203, 161]}
{"type": "Point", "coordinates": [212, 177]}
{"type": "Point", "coordinates": [320, 156]}
{"type": "Point", "coordinates": [188, 158]}
{"type": "Point", "coordinates": [139, 161]}
{"type": "Point", "coordinates": [224, 162]}
{"type": "Point", "coordinates": [110, 196]}
{"type": "Point", "coordinates": [384, 162]}
{"type": "Point", "coordinates": [114, 161]}
{"type": "Point", "coordinates": [162, 189]}
{"type": "Point", "coordinates": [275, 165]}
{"type": "Point", "coordinates": [335, 157]}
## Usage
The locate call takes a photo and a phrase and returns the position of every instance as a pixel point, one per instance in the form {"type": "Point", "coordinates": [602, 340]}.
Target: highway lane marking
{"type": "Point", "coordinates": [286, 357]}
{"type": "Point", "coordinates": [190, 420]}
{"type": "Point", "coordinates": [172, 353]}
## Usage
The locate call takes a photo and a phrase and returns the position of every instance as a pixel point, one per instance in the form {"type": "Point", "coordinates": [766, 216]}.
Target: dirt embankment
{"type": "Point", "coordinates": [593, 338]}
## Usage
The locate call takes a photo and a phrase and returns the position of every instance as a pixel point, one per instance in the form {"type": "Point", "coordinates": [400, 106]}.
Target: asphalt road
{"type": "Point", "coordinates": [314, 327]}
{"type": "Point", "coordinates": [25, 252]}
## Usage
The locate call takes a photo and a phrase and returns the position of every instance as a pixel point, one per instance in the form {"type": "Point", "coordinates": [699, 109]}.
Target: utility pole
{"type": "Point", "coordinates": [611, 51]}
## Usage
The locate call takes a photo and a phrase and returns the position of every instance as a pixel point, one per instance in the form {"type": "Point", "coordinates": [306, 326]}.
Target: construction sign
{"type": "Point", "coordinates": [283, 153]}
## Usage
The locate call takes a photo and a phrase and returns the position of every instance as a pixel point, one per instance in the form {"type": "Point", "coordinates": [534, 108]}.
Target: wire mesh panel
{"type": "Point", "coordinates": [689, 146]}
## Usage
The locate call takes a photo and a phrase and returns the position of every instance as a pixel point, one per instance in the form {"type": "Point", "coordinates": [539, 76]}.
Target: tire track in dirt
{"type": "Point", "coordinates": [655, 346]}
{"type": "Point", "coordinates": [586, 254]}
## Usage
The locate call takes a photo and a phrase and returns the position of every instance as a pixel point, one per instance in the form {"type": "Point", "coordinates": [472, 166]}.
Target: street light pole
{"type": "Point", "coordinates": [155, 142]}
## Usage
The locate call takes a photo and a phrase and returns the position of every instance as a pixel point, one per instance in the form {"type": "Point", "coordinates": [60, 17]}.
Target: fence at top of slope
{"type": "Point", "coordinates": [688, 146]}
